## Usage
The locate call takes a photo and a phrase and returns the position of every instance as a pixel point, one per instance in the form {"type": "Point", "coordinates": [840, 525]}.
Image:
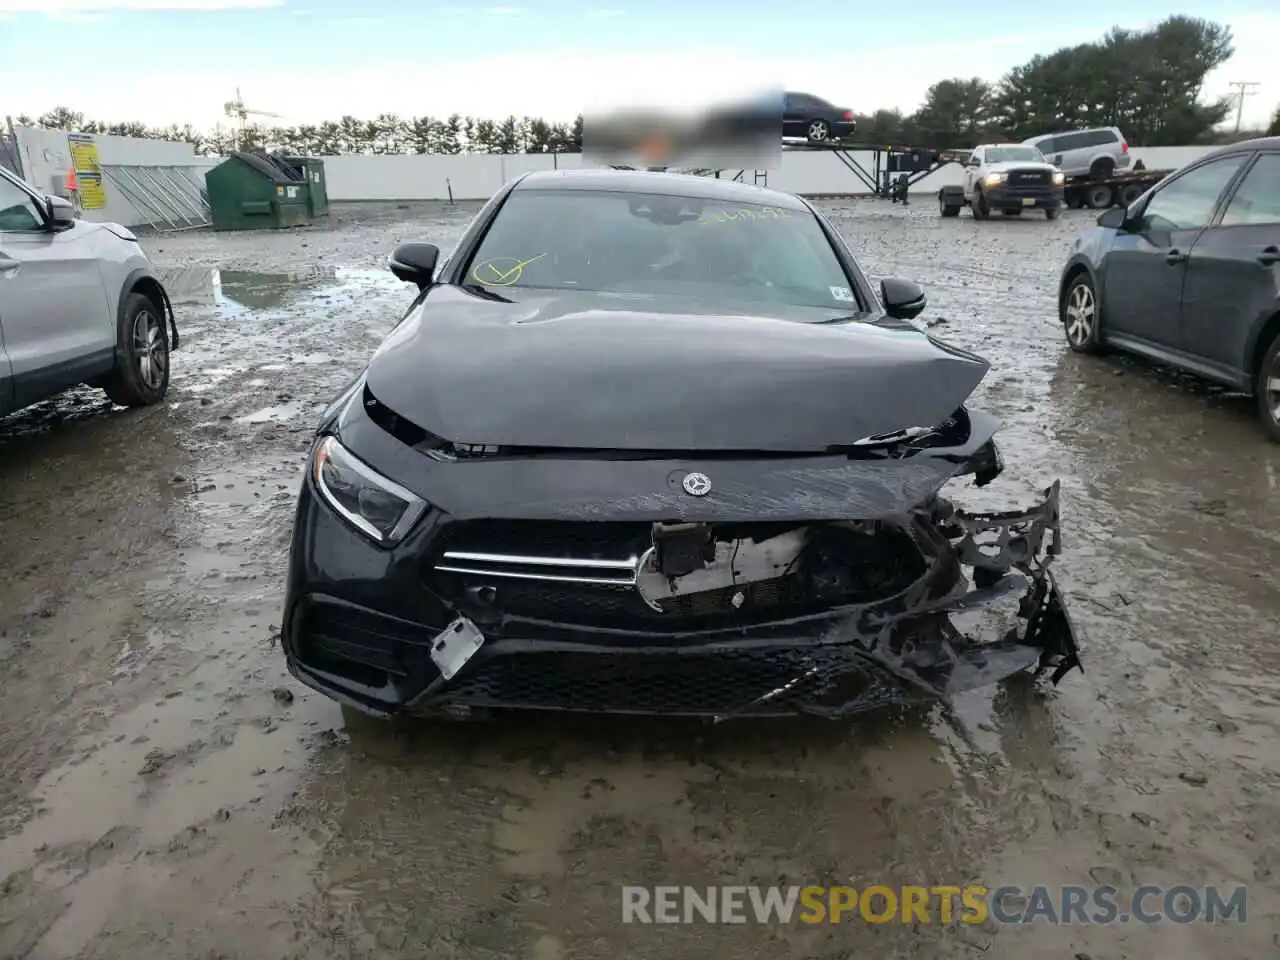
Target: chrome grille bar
{"type": "Point", "coordinates": [554, 569]}
{"type": "Point", "coordinates": [514, 560]}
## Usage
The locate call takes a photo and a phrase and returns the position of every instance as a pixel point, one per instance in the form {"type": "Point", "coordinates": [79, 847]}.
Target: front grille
{"type": "Point", "coordinates": [1029, 178]}
{"type": "Point", "coordinates": [728, 681]}
{"type": "Point", "coordinates": [585, 574]}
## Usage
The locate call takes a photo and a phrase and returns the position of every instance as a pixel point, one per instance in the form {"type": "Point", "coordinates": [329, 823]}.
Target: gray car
{"type": "Point", "coordinates": [1097, 153]}
{"type": "Point", "coordinates": [1189, 274]}
{"type": "Point", "coordinates": [79, 303]}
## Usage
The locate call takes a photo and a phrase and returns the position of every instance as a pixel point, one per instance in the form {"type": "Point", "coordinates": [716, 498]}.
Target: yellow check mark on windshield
{"type": "Point", "coordinates": [501, 271]}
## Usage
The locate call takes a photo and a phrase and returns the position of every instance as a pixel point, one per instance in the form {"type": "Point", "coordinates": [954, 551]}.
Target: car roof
{"type": "Point", "coordinates": [1258, 143]}
{"type": "Point", "coordinates": [603, 180]}
{"type": "Point", "coordinates": [1063, 133]}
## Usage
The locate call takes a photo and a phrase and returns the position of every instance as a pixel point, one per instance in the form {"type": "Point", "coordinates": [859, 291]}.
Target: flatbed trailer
{"type": "Point", "coordinates": [1121, 189]}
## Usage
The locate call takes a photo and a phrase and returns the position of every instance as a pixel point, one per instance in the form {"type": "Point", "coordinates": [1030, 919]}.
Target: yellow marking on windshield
{"type": "Point", "coordinates": [745, 214]}
{"type": "Point", "coordinates": [501, 271]}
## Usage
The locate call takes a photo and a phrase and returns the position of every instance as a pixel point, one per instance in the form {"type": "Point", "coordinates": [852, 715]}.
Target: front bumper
{"type": "Point", "coordinates": [1014, 197]}
{"type": "Point", "coordinates": [361, 622]}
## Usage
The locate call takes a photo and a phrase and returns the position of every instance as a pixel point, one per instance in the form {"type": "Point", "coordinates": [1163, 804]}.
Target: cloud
{"type": "Point", "coordinates": [59, 8]}
{"type": "Point", "coordinates": [360, 21]}
{"type": "Point", "coordinates": [558, 80]}
{"type": "Point", "coordinates": [604, 13]}
{"type": "Point", "coordinates": [471, 12]}
{"type": "Point", "coordinates": [75, 17]}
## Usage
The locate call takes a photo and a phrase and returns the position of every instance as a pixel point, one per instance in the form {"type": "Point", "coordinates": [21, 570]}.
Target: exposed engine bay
{"type": "Point", "coordinates": [829, 561]}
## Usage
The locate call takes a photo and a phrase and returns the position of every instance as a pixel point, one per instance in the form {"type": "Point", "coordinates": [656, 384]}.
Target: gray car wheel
{"type": "Point", "coordinates": [1268, 390]}
{"type": "Point", "coordinates": [1079, 314]}
{"type": "Point", "coordinates": [141, 374]}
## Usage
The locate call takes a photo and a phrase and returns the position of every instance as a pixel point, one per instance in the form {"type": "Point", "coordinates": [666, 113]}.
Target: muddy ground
{"type": "Point", "coordinates": [168, 791]}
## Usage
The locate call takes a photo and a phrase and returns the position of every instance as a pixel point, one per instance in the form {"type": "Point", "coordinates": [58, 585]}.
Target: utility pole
{"type": "Point", "coordinates": [1242, 92]}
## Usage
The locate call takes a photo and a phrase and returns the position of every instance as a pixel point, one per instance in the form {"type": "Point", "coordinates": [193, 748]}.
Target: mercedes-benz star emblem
{"type": "Point", "coordinates": [697, 484]}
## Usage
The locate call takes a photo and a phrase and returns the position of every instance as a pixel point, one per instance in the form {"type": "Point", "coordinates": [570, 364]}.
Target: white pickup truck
{"type": "Point", "coordinates": [1009, 177]}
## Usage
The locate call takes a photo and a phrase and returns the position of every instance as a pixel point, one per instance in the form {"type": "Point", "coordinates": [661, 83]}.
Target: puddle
{"type": "Point", "coordinates": [256, 339]}
{"type": "Point", "coordinates": [201, 286]}
{"type": "Point", "coordinates": [212, 286]}
{"type": "Point", "coordinates": [262, 291]}
{"type": "Point", "coordinates": [280, 413]}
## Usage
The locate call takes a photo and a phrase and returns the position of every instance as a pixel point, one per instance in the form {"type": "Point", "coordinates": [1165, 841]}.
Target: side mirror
{"type": "Point", "coordinates": [1114, 218]}
{"type": "Point", "coordinates": [415, 263]}
{"type": "Point", "coordinates": [62, 213]}
{"type": "Point", "coordinates": [903, 300]}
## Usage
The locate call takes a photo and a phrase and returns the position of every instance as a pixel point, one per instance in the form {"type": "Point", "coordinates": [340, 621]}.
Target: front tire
{"type": "Point", "coordinates": [141, 374]}
{"type": "Point", "coordinates": [819, 131]}
{"type": "Point", "coordinates": [1079, 315]}
{"type": "Point", "coordinates": [979, 206]}
{"type": "Point", "coordinates": [1267, 388]}
{"type": "Point", "coordinates": [1051, 213]}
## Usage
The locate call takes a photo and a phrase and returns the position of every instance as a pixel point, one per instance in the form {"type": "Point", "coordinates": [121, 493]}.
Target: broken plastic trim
{"type": "Point", "coordinates": [937, 660]}
{"type": "Point", "coordinates": [909, 647]}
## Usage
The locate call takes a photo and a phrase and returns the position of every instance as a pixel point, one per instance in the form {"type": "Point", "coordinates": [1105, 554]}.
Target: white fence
{"type": "Point", "coordinates": [45, 157]}
{"type": "Point", "coordinates": [144, 181]}
{"type": "Point", "coordinates": [477, 177]}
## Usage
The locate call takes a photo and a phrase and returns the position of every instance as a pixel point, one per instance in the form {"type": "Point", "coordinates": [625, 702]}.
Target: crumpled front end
{"type": "Point", "coordinates": [642, 585]}
{"type": "Point", "coordinates": [752, 619]}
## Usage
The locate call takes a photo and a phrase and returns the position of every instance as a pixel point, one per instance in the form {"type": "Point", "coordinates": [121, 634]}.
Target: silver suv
{"type": "Point", "coordinates": [1096, 153]}
{"type": "Point", "coordinates": [79, 303]}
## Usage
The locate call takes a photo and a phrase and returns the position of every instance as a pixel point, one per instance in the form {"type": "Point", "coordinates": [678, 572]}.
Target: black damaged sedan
{"type": "Point", "coordinates": [648, 443]}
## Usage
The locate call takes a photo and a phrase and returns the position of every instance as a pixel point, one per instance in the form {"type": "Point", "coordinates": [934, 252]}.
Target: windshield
{"type": "Point", "coordinates": [1014, 155]}
{"type": "Point", "coordinates": [655, 244]}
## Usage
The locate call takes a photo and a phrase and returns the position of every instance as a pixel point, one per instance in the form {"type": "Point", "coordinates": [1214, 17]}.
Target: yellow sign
{"type": "Point", "coordinates": [93, 196]}
{"type": "Point", "coordinates": [90, 189]}
{"type": "Point", "coordinates": [745, 214]}
{"type": "Point", "coordinates": [84, 153]}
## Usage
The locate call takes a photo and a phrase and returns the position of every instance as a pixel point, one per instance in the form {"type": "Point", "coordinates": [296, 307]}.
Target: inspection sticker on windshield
{"type": "Point", "coordinates": [842, 293]}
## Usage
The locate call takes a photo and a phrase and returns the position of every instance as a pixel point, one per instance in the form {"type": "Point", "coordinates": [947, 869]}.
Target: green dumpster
{"type": "Point", "coordinates": [256, 191]}
{"type": "Point", "coordinates": [312, 169]}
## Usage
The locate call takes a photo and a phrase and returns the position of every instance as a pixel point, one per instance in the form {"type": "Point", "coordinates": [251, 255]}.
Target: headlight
{"type": "Point", "coordinates": [379, 508]}
{"type": "Point", "coordinates": [993, 179]}
{"type": "Point", "coordinates": [1059, 178]}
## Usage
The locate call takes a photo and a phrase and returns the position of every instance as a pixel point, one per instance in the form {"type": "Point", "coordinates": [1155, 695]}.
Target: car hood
{"type": "Point", "coordinates": [124, 233]}
{"type": "Point", "coordinates": [592, 371]}
{"type": "Point", "coordinates": [1008, 165]}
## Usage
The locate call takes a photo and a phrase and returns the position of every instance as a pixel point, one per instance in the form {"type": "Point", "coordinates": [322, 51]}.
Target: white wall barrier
{"type": "Point", "coordinates": [45, 156]}
{"type": "Point", "coordinates": [477, 177]}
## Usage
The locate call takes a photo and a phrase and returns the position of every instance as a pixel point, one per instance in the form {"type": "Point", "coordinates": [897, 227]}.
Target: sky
{"type": "Point", "coordinates": [180, 61]}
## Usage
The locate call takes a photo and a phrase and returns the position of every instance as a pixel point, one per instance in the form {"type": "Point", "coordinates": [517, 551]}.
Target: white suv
{"type": "Point", "coordinates": [79, 303]}
{"type": "Point", "coordinates": [1096, 153]}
